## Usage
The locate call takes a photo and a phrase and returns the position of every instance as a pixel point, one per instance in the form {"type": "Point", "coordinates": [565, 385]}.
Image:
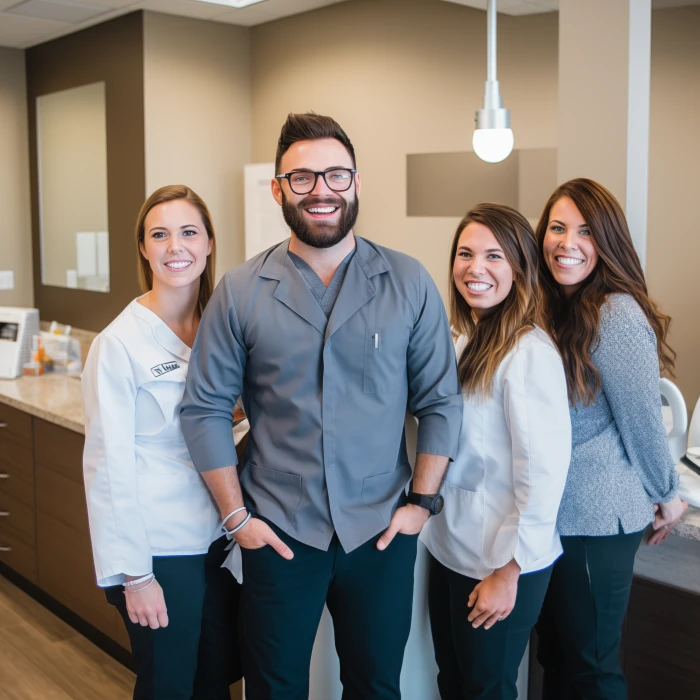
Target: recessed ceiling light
{"type": "Point", "coordinates": [237, 4]}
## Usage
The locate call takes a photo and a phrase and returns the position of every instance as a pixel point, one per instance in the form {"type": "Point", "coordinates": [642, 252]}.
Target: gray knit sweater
{"type": "Point", "coordinates": [620, 461]}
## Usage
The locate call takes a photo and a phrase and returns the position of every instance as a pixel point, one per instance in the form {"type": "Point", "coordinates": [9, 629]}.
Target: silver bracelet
{"type": "Point", "coordinates": [136, 582]}
{"type": "Point", "coordinates": [239, 526]}
{"type": "Point", "coordinates": [138, 590]}
{"type": "Point", "coordinates": [230, 515]}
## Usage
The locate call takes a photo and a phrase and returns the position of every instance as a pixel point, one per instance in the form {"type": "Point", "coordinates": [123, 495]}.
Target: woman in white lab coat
{"type": "Point", "coordinates": [493, 546]}
{"type": "Point", "coordinates": [156, 535]}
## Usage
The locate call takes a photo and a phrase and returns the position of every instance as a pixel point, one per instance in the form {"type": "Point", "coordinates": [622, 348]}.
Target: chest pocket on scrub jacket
{"type": "Point", "coordinates": [374, 354]}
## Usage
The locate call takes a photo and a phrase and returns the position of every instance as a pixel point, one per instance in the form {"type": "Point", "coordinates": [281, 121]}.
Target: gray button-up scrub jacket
{"type": "Point", "coordinates": [326, 398]}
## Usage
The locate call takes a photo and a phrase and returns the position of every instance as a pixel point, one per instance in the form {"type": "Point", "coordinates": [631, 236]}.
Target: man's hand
{"type": "Point", "coordinates": [493, 599]}
{"type": "Point", "coordinates": [147, 606]}
{"type": "Point", "coordinates": [257, 533]}
{"type": "Point", "coordinates": [408, 520]}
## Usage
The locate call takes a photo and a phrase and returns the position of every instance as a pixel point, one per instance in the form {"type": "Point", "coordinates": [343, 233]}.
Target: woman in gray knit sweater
{"type": "Point", "coordinates": [612, 338]}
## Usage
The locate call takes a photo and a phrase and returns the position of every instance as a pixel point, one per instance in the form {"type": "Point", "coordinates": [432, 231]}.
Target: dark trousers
{"type": "Point", "coordinates": [196, 656]}
{"type": "Point", "coordinates": [369, 596]}
{"type": "Point", "coordinates": [580, 625]}
{"type": "Point", "coordinates": [479, 664]}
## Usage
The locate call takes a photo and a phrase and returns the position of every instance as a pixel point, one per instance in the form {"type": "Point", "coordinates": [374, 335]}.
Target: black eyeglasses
{"type": "Point", "coordinates": [304, 181]}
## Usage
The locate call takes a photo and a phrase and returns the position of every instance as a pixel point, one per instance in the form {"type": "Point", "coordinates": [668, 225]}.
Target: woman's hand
{"type": "Point", "coordinates": [147, 606]}
{"type": "Point", "coordinates": [667, 516]}
{"type": "Point", "coordinates": [493, 599]}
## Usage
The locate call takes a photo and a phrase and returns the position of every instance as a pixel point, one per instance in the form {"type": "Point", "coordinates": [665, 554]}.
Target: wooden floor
{"type": "Point", "coordinates": [42, 658]}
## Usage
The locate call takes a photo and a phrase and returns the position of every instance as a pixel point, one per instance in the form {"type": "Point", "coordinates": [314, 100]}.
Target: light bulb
{"type": "Point", "coordinates": [492, 145]}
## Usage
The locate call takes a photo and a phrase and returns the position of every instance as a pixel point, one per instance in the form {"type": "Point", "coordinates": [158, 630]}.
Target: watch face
{"type": "Point", "coordinates": [438, 504]}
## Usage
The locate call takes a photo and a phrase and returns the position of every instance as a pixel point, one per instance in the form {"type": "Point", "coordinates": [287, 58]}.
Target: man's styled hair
{"type": "Point", "coordinates": [307, 127]}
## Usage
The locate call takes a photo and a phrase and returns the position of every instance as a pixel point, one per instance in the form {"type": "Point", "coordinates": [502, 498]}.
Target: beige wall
{"type": "Point", "coordinates": [402, 76]}
{"type": "Point", "coordinates": [673, 247]}
{"type": "Point", "coordinates": [198, 117]}
{"type": "Point", "coordinates": [16, 236]}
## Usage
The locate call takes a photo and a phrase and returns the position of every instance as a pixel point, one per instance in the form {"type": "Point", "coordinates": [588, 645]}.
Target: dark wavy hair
{"type": "Point", "coordinates": [308, 127]}
{"type": "Point", "coordinates": [495, 335]}
{"type": "Point", "coordinates": [574, 320]}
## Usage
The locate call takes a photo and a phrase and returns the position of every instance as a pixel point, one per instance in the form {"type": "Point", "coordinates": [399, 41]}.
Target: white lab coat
{"type": "Point", "coordinates": [144, 496]}
{"type": "Point", "coordinates": [502, 491]}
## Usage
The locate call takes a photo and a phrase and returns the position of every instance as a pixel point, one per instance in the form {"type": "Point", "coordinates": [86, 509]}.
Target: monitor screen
{"type": "Point", "coordinates": [9, 331]}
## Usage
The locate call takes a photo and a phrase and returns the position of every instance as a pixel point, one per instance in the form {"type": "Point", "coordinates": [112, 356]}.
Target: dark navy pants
{"type": "Point", "coordinates": [196, 656]}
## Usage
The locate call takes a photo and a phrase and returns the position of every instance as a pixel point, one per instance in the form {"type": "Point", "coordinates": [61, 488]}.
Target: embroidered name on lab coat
{"type": "Point", "coordinates": [158, 370]}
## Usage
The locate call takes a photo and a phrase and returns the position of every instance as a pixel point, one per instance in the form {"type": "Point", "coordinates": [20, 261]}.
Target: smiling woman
{"type": "Point", "coordinates": [493, 548]}
{"type": "Point", "coordinates": [175, 234]}
{"type": "Point", "coordinates": [613, 340]}
{"type": "Point", "coordinates": [155, 532]}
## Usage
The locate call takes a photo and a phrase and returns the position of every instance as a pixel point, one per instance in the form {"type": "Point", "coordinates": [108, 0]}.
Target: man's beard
{"type": "Point", "coordinates": [320, 234]}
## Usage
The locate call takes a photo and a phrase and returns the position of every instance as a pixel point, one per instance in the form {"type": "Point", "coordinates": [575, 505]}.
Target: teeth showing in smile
{"type": "Point", "coordinates": [478, 286]}
{"type": "Point", "coordinates": [177, 265]}
{"type": "Point", "coordinates": [569, 261]}
{"type": "Point", "coordinates": [321, 210]}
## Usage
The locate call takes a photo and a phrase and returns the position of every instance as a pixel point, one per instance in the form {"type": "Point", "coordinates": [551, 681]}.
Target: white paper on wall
{"type": "Point", "coordinates": [86, 253]}
{"type": "Point", "coordinates": [264, 224]}
{"type": "Point", "coordinates": [103, 254]}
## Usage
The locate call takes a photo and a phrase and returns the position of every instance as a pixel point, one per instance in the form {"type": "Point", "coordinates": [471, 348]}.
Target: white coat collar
{"type": "Point", "coordinates": [161, 331]}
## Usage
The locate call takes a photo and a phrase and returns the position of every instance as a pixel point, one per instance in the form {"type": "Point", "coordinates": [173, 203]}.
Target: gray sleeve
{"type": "Point", "coordinates": [434, 396]}
{"type": "Point", "coordinates": [214, 383]}
{"type": "Point", "coordinates": [628, 363]}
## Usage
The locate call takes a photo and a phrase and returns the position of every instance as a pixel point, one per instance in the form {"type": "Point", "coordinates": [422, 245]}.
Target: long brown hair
{"type": "Point", "coordinates": [574, 321]}
{"type": "Point", "coordinates": [494, 336]}
{"type": "Point", "coordinates": [170, 193]}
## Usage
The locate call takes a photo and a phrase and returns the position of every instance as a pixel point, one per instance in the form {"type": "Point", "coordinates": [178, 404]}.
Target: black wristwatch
{"type": "Point", "coordinates": [432, 502]}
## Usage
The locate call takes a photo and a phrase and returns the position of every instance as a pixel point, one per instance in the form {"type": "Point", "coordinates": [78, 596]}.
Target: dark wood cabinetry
{"type": "Point", "coordinates": [17, 521]}
{"type": "Point", "coordinates": [660, 652]}
{"type": "Point", "coordinates": [662, 642]}
{"type": "Point", "coordinates": [44, 535]}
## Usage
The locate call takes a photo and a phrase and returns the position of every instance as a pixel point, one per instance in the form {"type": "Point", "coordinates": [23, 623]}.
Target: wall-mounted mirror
{"type": "Point", "coordinates": [72, 169]}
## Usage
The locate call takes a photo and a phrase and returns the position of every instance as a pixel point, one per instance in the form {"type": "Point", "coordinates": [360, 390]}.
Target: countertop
{"type": "Point", "coordinates": [56, 398]}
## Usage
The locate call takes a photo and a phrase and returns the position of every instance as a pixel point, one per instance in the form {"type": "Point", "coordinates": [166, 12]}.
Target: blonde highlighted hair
{"type": "Point", "coordinates": [170, 193]}
{"type": "Point", "coordinates": [495, 335]}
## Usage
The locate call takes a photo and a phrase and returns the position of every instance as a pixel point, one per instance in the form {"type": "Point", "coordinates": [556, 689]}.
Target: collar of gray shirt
{"type": "Point", "coordinates": [325, 296]}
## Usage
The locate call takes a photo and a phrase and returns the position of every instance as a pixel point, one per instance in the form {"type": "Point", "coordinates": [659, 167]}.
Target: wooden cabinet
{"type": "Point", "coordinates": [44, 533]}
{"type": "Point", "coordinates": [65, 564]}
{"type": "Point", "coordinates": [660, 652]}
{"type": "Point", "coordinates": [17, 521]}
{"type": "Point", "coordinates": [662, 642]}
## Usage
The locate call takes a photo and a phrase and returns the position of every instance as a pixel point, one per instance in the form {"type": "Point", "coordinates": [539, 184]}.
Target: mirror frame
{"type": "Point", "coordinates": [111, 53]}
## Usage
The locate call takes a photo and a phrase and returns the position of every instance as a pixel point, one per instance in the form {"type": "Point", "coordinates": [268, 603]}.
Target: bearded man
{"type": "Point", "coordinates": [329, 338]}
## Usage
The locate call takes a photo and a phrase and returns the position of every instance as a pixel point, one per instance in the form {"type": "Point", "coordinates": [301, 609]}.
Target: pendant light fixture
{"type": "Point", "coordinates": [493, 138]}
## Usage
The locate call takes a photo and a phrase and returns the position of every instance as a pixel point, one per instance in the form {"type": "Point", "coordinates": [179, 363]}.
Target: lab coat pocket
{"type": "Point", "coordinates": [178, 513]}
{"type": "Point", "coordinates": [381, 491]}
{"type": "Point", "coordinates": [457, 533]}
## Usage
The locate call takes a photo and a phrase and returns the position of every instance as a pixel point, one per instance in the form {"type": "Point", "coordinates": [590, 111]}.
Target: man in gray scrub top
{"type": "Point", "coordinates": [329, 338]}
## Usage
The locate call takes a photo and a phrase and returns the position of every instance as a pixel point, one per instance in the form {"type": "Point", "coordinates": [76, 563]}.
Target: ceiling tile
{"type": "Point", "coordinates": [57, 10]}
{"type": "Point", "coordinates": [19, 32]}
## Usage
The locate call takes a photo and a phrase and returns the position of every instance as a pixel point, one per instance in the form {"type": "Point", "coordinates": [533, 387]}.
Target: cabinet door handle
{"type": "Point", "coordinates": [3, 425]}
{"type": "Point", "coordinates": [4, 513]}
{"type": "Point", "coordinates": [4, 476]}
{"type": "Point", "coordinates": [5, 549]}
